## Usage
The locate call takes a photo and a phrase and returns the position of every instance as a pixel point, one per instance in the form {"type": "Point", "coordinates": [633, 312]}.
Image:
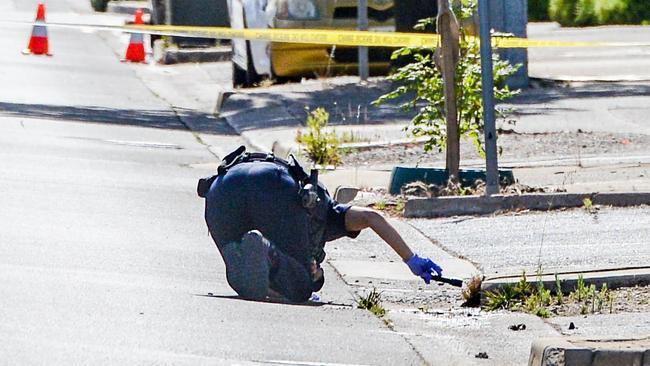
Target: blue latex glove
{"type": "Point", "coordinates": [423, 267]}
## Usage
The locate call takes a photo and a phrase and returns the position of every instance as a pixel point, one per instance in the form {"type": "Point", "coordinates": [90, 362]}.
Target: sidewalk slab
{"type": "Point", "coordinates": [605, 325]}
{"type": "Point", "coordinates": [482, 205]}
{"type": "Point", "coordinates": [369, 256]}
{"type": "Point", "coordinates": [446, 339]}
{"type": "Point", "coordinates": [558, 241]}
{"type": "Point", "coordinates": [590, 352]}
{"type": "Point", "coordinates": [453, 268]}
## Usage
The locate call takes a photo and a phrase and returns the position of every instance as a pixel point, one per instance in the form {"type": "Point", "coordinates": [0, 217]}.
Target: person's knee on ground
{"type": "Point", "coordinates": [248, 265]}
{"type": "Point", "coordinates": [254, 265]}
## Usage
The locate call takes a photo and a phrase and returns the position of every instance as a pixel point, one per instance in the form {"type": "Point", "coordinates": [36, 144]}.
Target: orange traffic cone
{"type": "Point", "coordinates": [38, 44]}
{"type": "Point", "coordinates": [135, 52]}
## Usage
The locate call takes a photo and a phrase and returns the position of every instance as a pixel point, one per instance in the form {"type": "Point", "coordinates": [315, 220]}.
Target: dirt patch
{"type": "Point", "coordinates": [625, 300]}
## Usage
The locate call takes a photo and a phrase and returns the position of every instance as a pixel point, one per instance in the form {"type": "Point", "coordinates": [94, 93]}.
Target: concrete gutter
{"type": "Point", "coordinates": [589, 352]}
{"type": "Point", "coordinates": [614, 278]}
{"type": "Point", "coordinates": [483, 205]}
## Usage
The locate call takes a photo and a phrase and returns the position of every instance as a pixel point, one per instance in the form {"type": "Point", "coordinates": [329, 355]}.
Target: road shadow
{"type": "Point", "coordinates": [552, 91]}
{"type": "Point", "coordinates": [347, 104]}
{"type": "Point", "coordinates": [274, 300]}
{"type": "Point", "coordinates": [180, 119]}
{"type": "Point", "coordinates": [351, 104]}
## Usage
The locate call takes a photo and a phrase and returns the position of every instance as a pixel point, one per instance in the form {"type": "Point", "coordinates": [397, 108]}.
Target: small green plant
{"type": "Point", "coordinates": [420, 81]}
{"type": "Point", "coordinates": [372, 303]}
{"type": "Point", "coordinates": [400, 205]}
{"type": "Point", "coordinates": [506, 298]}
{"type": "Point", "coordinates": [380, 205]}
{"type": "Point", "coordinates": [580, 291]}
{"type": "Point", "coordinates": [559, 295]}
{"type": "Point", "coordinates": [523, 287]}
{"type": "Point", "coordinates": [541, 312]}
{"type": "Point", "coordinates": [588, 205]}
{"type": "Point", "coordinates": [603, 297]}
{"type": "Point", "coordinates": [321, 145]}
{"type": "Point", "coordinates": [538, 300]}
{"type": "Point", "coordinates": [591, 299]}
{"type": "Point", "coordinates": [350, 137]}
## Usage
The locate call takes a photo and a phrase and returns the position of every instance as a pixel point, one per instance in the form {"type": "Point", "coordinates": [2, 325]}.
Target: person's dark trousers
{"type": "Point", "coordinates": [289, 278]}
{"type": "Point", "coordinates": [263, 196]}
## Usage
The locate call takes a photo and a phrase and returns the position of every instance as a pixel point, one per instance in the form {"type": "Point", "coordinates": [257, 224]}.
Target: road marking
{"type": "Point", "coordinates": [157, 145]}
{"type": "Point", "coordinates": [305, 363]}
{"type": "Point", "coordinates": [146, 144]}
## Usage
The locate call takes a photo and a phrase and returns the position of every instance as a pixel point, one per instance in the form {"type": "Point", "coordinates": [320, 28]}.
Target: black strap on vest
{"type": "Point", "coordinates": [241, 156]}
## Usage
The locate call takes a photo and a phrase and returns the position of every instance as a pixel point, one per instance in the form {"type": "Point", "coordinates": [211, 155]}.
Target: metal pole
{"type": "Point", "coordinates": [362, 24]}
{"type": "Point", "coordinates": [168, 12]}
{"type": "Point", "coordinates": [447, 57]}
{"type": "Point", "coordinates": [491, 164]}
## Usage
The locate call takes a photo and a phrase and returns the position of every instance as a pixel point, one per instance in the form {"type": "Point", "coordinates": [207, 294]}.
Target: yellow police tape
{"type": "Point", "coordinates": [311, 36]}
{"type": "Point", "coordinates": [352, 37]}
{"type": "Point", "coordinates": [329, 36]}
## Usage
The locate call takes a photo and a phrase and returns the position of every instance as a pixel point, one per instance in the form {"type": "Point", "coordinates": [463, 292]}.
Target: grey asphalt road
{"type": "Point", "coordinates": [590, 63]}
{"type": "Point", "coordinates": [104, 255]}
{"type": "Point", "coordinates": [557, 240]}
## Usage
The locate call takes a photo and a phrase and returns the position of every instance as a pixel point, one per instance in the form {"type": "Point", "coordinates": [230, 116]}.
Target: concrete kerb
{"type": "Point", "coordinates": [614, 278]}
{"type": "Point", "coordinates": [172, 56]}
{"type": "Point", "coordinates": [127, 7]}
{"type": "Point", "coordinates": [483, 205]}
{"type": "Point", "coordinates": [589, 352]}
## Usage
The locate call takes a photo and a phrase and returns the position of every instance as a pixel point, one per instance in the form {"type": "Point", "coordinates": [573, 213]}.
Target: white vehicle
{"type": "Point", "coordinates": [254, 60]}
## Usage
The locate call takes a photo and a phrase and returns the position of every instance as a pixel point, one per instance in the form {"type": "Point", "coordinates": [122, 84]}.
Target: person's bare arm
{"type": "Point", "coordinates": [359, 218]}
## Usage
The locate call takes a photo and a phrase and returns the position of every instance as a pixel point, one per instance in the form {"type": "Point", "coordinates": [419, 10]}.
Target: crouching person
{"type": "Point", "coordinates": [270, 221]}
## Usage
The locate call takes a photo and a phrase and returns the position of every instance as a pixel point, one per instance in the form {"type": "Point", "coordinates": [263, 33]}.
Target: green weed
{"type": "Point", "coordinates": [559, 295]}
{"type": "Point", "coordinates": [523, 287]}
{"type": "Point", "coordinates": [588, 206]}
{"type": "Point", "coordinates": [400, 205]}
{"type": "Point", "coordinates": [537, 299]}
{"type": "Point", "coordinates": [321, 145]}
{"type": "Point", "coordinates": [506, 297]}
{"type": "Point", "coordinates": [581, 292]}
{"type": "Point", "coordinates": [350, 137]}
{"type": "Point", "coordinates": [372, 303]}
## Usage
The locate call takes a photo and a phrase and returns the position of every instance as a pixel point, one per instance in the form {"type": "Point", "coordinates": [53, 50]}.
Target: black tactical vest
{"type": "Point", "coordinates": [317, 212]}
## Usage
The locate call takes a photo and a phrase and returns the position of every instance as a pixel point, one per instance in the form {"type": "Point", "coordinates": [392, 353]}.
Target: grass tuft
{"type": "Point", "coordinates": [372, 303]}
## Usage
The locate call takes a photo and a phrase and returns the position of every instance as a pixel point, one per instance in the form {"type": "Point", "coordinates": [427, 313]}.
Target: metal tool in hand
{"type": "Point", "coordinates": [456, 282]}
